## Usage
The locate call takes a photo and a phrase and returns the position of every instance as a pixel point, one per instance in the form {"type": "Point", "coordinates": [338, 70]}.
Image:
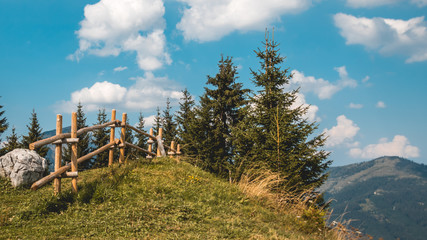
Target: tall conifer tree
{"type": "Point", "coordinates": [34, 134]}
{"type": "Point", "coordinates": [184, 118]}
{"type": "Point", "coordinates": [100, 139]}
{"type": "Point", "coordinates": [277, 134]}
{"type": "Point", "coordinates": [219, 112]}
{"type": "Point", "coordinates": [169, 125]}
{"type": "Point", "coordinates": [157, 121]}
{"type": "Point", "coordinates": [141, 139]}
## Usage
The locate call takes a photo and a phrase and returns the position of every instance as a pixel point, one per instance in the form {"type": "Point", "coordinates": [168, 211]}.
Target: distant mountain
{"type": "Point", "coordinates": [385, 197]}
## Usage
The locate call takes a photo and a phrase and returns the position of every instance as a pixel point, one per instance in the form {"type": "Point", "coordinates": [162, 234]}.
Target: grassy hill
{"type": "Point", "coordinates": [149, 200]}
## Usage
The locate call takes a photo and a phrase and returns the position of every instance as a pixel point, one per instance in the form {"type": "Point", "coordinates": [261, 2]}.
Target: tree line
{"type": "Point", "coordinates": [230, 129]}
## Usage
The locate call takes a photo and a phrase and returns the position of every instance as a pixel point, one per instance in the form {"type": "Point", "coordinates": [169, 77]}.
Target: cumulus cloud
{"type": "Point", "coordinates": [119, 69]}
{"type": "Point", "coordinates": [399, 146]}
{"type": "Point", "coordinates": [321, 87]}
{"type": "Point", "coordinates": [343, 132]}
{"type": "Point", "coordinates": [355, 105]}
{"type": "Point", "coordinates": [311, 111]}
{"type": "Point", "coordinates": [380, 104]}
{"type": "Point", "coordinates": [376, 3]}
{"type": "Point", "coordinates": [387, 36]}
{"type": "Point", "coordinates": [146, 93]}
{"type": "Point", "coordinates": [113, 26]}
{"type": "Point", "coordinates": [211, 20]}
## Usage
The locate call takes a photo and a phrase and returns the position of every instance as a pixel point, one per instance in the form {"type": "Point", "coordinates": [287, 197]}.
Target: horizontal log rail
{"type": "Point", "coordinates": [43, 142]}
{"type": "Point", "coordinates": [140, 149]}
{"type": "Point", "coordinates": [62, 170]}
{"type": "Point", "coordinates": [141, 132]}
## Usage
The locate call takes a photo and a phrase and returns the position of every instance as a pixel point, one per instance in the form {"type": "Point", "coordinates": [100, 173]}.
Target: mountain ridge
{"type": "Point", "coordinates": [385, 197]}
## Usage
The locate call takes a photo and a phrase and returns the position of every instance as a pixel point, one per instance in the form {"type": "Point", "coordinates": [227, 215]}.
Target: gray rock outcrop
{"type": "Point", "coordinates": [22, 166]}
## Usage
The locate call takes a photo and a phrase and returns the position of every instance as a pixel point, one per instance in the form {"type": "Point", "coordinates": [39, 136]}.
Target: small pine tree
{"type": "Point", "coordinates": [169, 126]}
{"type": "Point", "coordinates": [34, 134]}
{"type": "Point", "coordinates": [184, 118]}
{"type": "Point", "coordinates": [12, 141]}
{"type": "Point", "coordinates": [141, 139]}
{"type": "Point", "coordinates": [83, 147]}
{"type": "Point", "coordinates": [100, 139]}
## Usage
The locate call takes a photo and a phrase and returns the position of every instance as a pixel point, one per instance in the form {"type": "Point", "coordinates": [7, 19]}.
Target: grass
{"type": "Point", "coordinates": [147, 200]}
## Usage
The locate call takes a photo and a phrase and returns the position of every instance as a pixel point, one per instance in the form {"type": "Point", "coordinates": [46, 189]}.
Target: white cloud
{"type": "Point", "coordinates": [149, 121]}
{"type": "Point", "coordinates": [120, 68]}
{"type": "Point", "coordinates": [211, 20]}
{"type": "Point", "coordinates": [113, 26]}
{"type": "Point", "coordinates": [387, 36]}
{"type": "Point", "coordinates": [369, 3]}
{"type": "Point", "coordinates": [146, 93]}
{"type": "Point", "coordinates": [399, 146]}
{"type": "Point", "coordinates": [311, 111]}
{"type": "Point", "coordinates": [381, 104]}
{"type": "Point", "coordinates": [355, 105]}
{"type": "Point", "coordinates": [322, 88]}
{"type": "Point", "coordinates": [376, 3]}
{"type": "Point", "coordinates": [343, 132]}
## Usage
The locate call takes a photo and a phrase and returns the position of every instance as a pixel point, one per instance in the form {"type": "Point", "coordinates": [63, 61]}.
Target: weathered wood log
{"type": "Point", "coordinates": [68, 175]}
{"type": "Point", "coordinates": [172, 150]}
{"type": "Point", "coordinates": [74, 150]}
{"type": "Point", "coordinates": [40, 183]}
{"type": "Point", "coordinates": [140, 149]}
{"type": "Point", "coordinates": [160, 149]}
{"type": "Point", "coordinates": [140, 132]}
{"type": "Point", "coordinates": [150, 144]}
{"type": "Point", "coordinates": [112, 137]}
{"type": "Point", "coordinates": [122, 138]}
{"type": "Point", "coordinates": [58, 154]}
{"type": "Point", "coordinates": [66, 140]}
{"type": "Point", "coordinates": [43, 142]}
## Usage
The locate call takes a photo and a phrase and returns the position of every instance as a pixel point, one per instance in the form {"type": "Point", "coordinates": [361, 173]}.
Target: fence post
{"type": "Point", "coordinates": [160, 135]}
{"type": "Point", "coordinates": [150, 143]}
{"type": "Point", "coordinates": [58, 155]}
{"type": "Point", "coordinates": [112, 131]}
{"type": "Point", "coordinates": [122, 139]}
{"type": "Point", "coordinates": [74, 150]}
{"type": "Point", "coordinates": [171, 152]}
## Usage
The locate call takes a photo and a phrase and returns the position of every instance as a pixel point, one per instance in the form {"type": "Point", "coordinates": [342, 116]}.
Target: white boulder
{"type": "Point", "coordinates": [22, 166]}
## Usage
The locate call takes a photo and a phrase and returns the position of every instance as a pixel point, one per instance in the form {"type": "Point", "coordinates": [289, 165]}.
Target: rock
{"type": "Point", "coordinates": [22, 166]}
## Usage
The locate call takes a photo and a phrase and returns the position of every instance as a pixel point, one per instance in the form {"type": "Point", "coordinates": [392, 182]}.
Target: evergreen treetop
{"type": "Point", "coordinates": [141, 139]}
{"type": "Point", "coordinates": [169, 125]}
{"type": "Point", "coordinates": [12, 141]}
{"type": "Point", "coordinates": [34, 134]}
{"type": "Point", "coordinates": [100, 139]}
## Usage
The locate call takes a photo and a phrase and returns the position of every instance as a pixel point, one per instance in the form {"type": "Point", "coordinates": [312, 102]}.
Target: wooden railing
{"type": "Point", "coordinates": [70, 169]}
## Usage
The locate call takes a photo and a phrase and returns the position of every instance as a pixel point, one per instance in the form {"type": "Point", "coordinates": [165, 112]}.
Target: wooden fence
{"type": "Point", "coordinates": [70, 169]}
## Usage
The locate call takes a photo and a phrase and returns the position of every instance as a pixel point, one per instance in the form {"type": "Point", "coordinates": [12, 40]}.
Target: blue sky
{"type": "Point", "coordinates": [361, 64]}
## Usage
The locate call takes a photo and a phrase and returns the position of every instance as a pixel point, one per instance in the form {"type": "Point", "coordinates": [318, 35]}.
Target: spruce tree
{"type": "Point", "coordinates": [130, 139]}
{"type": "Point", "coordinates": [184, 118]}
{"type": "Point", "coordinates": [157, 122]}
{"type": "Point", "coordinates": [276, 134]}
{"type": "Point", "coordinates": [220, 112]}
{"type": "Point", "coordinates": [169, 126]}
{"type": "Point", "coordinates": [83, 146]}
{"type": "Point", "coordinates": [3, 127]}
{"type": "Point", "coordinates": [101, 138]}
{"type": "Point", "coordinates": [34, 134]}
{"type": "Point", "coordinates": [141, 139]}
{"type": "Point", "coordinates": [12, 141]}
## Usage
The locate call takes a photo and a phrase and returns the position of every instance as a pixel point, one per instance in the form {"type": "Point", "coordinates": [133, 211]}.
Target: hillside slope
{"type": "Point", "coordinates": [385, 197]}
{"type": "Point", "coordinates": [142, 200]}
